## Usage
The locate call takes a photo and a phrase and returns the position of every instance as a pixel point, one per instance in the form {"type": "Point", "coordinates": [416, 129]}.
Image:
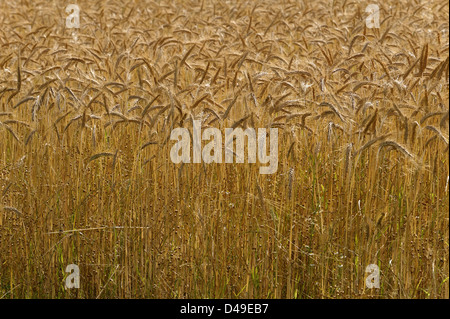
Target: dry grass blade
{"type": "Point", "coordinates": [397, 147]}
{"type": "Point", "coordinates": [183, 60]}
{"type": "Point", "coordinates": [30, 98]}
{"type": "Point", "coordinates": [405, 75]}
{"type": "Point", "coordinates": [225, 115]}
{"type": "Point", "coordinates": [12, 209]}
{"type": "Point", "coordinates": [99, 155]}
{"type": "Point", "coordinates": [371, 142]}
{"type": "Point", "coordinates": [438, 132]}
{"type": "Point", "coordinates": [196, 103]}
{"type": "Point", "coordinates": [423, 60]}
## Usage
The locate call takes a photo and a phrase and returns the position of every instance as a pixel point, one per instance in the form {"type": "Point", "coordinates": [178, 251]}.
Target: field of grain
{"type": "Point", "coordinates": [363, 131]}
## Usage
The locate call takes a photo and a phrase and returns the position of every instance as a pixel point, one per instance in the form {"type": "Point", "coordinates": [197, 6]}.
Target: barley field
{"type": "Point", "coordinates": [86, 178]}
